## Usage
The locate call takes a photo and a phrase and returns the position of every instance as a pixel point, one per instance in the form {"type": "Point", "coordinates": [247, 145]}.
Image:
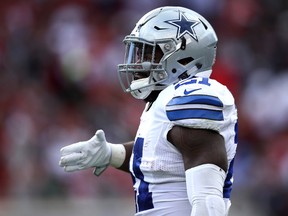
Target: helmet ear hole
{"type": "Point", "coordinates": [185, 61]}
{"type": "Point", "coordinates": [198, 65]}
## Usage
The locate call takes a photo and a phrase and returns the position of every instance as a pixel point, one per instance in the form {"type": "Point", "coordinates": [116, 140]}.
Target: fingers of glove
{"type": "Point", "coordinates": [73, 148]}
{"type": "Point", "coordinates": [71, 159]}
{"type": "Point", "coordinates": [98, 170]}
{"type": "Point", "coordinates": [73, 168]}
{"type": "Point", "coordinates": [100, 135]}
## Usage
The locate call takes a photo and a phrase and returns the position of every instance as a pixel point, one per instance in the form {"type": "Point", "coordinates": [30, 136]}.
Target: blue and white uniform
{"type": "Point", "coordinates": [156, 165]}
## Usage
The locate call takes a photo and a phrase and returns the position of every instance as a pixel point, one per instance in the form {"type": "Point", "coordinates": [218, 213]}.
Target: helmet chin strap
{"type": "Point", "coordinates": [137, 90]}
{"type": "Point", "coordinates": [139, 83]}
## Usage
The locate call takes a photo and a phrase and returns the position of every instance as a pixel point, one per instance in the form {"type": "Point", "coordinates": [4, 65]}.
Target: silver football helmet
{"type": "Point", "coordinates": [168, 44]}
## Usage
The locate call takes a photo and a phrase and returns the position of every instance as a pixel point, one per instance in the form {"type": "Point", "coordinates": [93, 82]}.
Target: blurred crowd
{"type": "Point", "coordinates": [59, 83]}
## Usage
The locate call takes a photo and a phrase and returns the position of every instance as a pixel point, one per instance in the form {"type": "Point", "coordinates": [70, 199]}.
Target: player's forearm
{"type": "Point", "coordinates": [128, 150]}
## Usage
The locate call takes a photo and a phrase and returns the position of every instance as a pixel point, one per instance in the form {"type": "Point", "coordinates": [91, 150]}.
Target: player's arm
{"type": "Point", "coordinates": [205, 162]}
{"type": "Point", "coordinates": [97, 153]}
{"type": "Point", "coordinates": [199, 146]}
{"type": "Point", "coordinates": [128, 150]}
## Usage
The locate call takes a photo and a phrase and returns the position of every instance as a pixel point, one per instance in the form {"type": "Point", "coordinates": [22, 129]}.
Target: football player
{"type": "Point", "coordinates": [182, 157]}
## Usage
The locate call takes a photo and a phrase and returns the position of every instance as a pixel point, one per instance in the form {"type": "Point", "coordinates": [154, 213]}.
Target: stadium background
{"type": "Point", "coordinates": [58, 84]}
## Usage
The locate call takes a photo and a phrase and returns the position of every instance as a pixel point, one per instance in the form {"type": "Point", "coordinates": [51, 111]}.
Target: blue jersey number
{"type": "Point", "coordinates": [143, 197]}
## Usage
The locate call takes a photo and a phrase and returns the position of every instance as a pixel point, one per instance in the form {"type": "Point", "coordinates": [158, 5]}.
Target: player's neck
{"type": "Point", "coordinates": [152, 96]}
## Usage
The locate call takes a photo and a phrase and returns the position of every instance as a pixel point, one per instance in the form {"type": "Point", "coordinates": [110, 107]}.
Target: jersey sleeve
{"type": "Point", "coordinates": [198, 104]}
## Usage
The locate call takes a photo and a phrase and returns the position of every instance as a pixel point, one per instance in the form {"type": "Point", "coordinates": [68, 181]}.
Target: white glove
{"type": "Point", "coordinates": [95, 152]}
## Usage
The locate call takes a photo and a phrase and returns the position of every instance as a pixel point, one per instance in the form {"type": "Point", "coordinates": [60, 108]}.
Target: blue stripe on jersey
{"type": "Point", "coordinates": [144, 198]}
{"type": "Point", "coordinates": [175, 115]}
{"type": "Point", "coordinates": [196, 99]}
{"type": "Point", "coordinates": [228, 181]}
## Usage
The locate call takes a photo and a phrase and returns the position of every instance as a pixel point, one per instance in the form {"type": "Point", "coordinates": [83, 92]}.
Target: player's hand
{"type": "Point", "coordinates": [95, 152]}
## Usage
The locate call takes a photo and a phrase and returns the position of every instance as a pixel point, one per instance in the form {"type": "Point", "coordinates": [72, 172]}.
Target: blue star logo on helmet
{"type": "Point", "coordinates": [184, 26]}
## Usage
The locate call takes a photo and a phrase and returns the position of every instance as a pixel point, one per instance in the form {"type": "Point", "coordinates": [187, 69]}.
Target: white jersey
{"type": "Point", "coordinates": [156, 165]}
